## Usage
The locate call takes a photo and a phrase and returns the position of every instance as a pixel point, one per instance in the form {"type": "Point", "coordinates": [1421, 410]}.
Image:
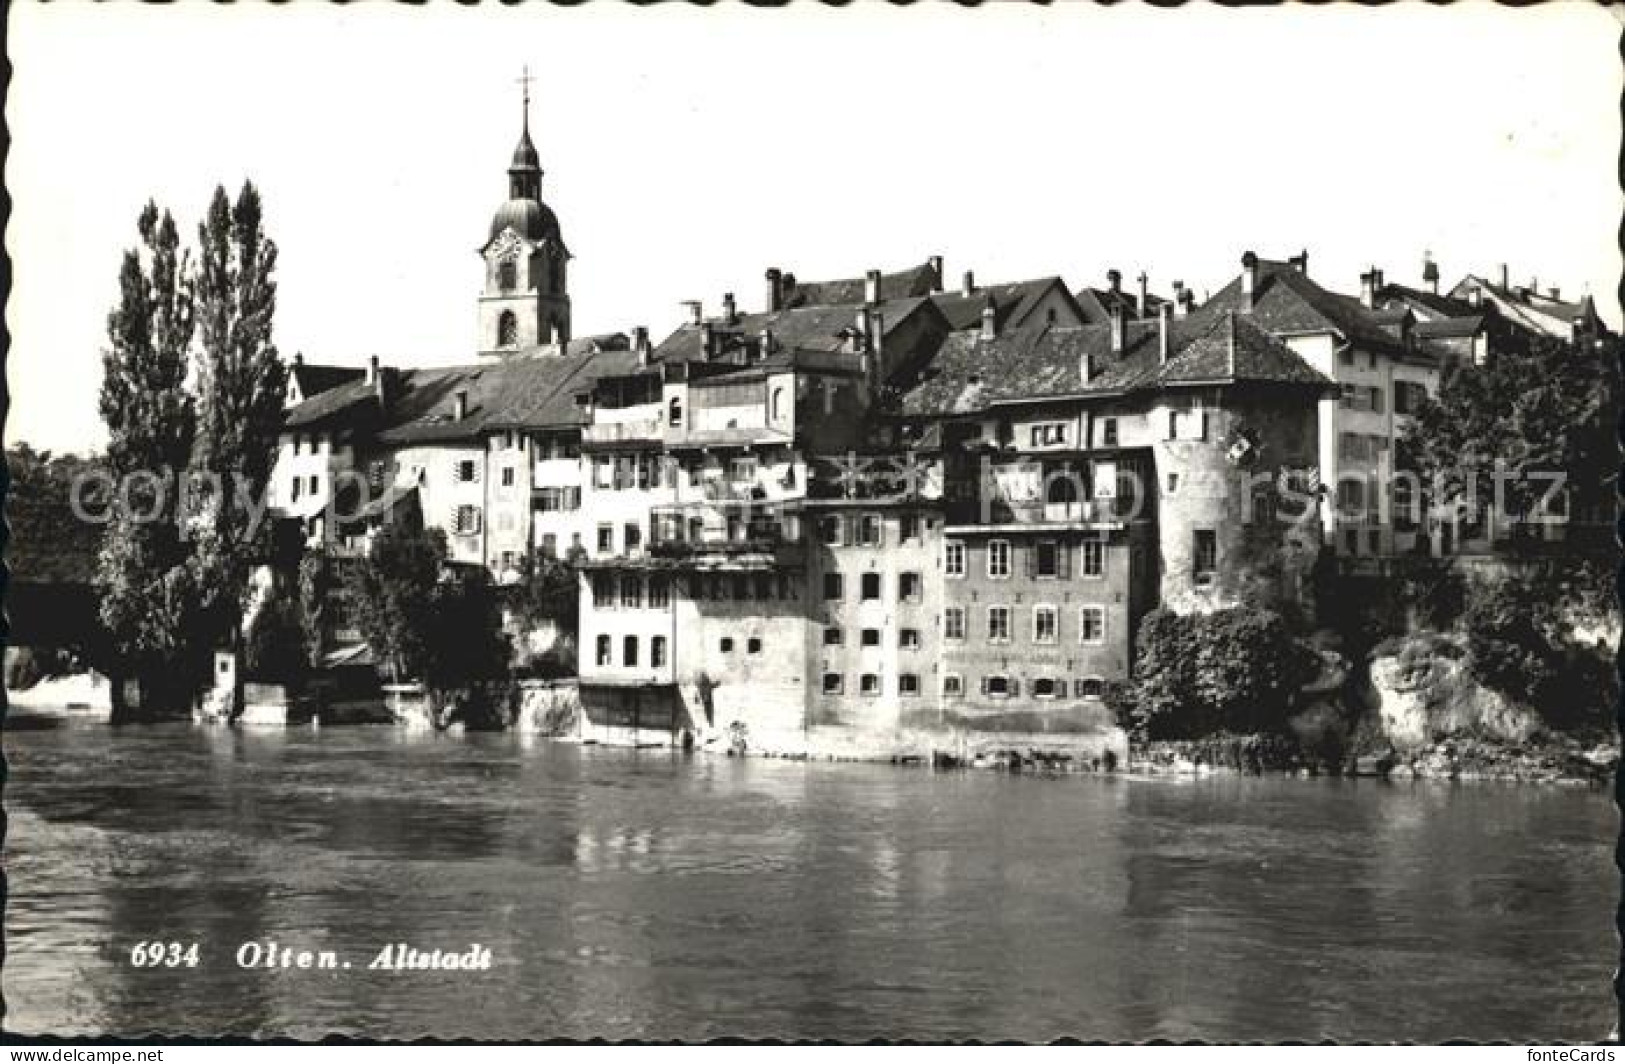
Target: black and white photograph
{"type": "Point", "coordinates": [936, 523]}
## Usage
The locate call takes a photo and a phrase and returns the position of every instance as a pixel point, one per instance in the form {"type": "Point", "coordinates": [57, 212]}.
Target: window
{"type": "Point", "coordinates": [998, 686]}
{"type": "Point", "coordinates": [870, 590]}
{"type": "Point", "coordinates": [603, 590]}
{"type": "Point", "coordinates": [606, 539]}
{"type": "Point", "coordinates": [953, 558]}
{"type": "Point", "coordinates": [468, 471]}
{"type": "Point", "coordinates": [633, 537]}
{"type": "Point", "coordinates": [550, 545]}
{"type": "Point", "coordinates": [777, 407]}
{"type": "Point", "coordinates": [953, 686]}
{"type": "Point", "coordinates": [1108, 432]}
{"type": "Point", "coordinates": [298, 486]}
{"type": "Point", "coordinates": [1046, 624]}
{"type": "Point", "coordinates": [834, 683]}
{"type": "Point", "coordinates": [1204, 556]}
{"type": "Point", "coordinates": [603, 651]}
{"type": "Point", "coordinates": [1094, 558]}
{"type": "Point", "coordinates": [508, 560]}
{"type": "Point", "coordinates": [507, 476]}
{"type": "Point", "coordinates": [1346, 356]}
{"type": "Point", "coordinates": [998, 624]}
{"type": "Point", "coordinates": [869, 684]}
{"type": "Point", "coordinates": [1047, 560]}
{"type": "Point", "coordinates": [1373, 540]}
{"type": "Point", "coordinates": [1351, 541]}
{"type": "Point", "coordinates": [1090, 687]}
{"type": "Point", "coordinates": [753, 645]}
{"type": "Point", "coordinates": [1376, 400]}
{"type": "Point", "coordinates": [507, 329]}
{"type": "Point", "coordinates": [829, 529]}
{"type": "Point", "coordinates": [741, 587]}
{"type": "Point", "coordinates": [869, 530]}
{"type": "Point", "coordinates": [674, 412]}
{"type": "Point", "coordinates": [315, 483]}
{"type": "Point", "coordinates": [908, 638]}
{"type": "Point", "coordinates": [1092, 625]}
{"type": "Point", "coordinates": [998, 558]}
{"type": "Point", "coordinates": [1048, 435]}
{"type": "Point", "coordinates": [834, 637]}
{"type": "Point", "coordinates": [507, 275]}
{"type": "Point", "coordinates": [631, 591]}
{"type": "Point", "coordinates": [726, 645]}
{"type": "Point", "coordinates": [657, 652]}
{"type": "Point", "coordinates": [743, 469]}
{"type": "Point", "coordinates": [1173, 483]}
{"type": "Point", "coordinates": [629, 651]}
{"type": "Point", "coordinates": [908, 685]}
{"type": "Point", "coordinates": [870, 637]}
{"type": "Point", "coordinates": [1173, 424]}
{"type": "Point", "coordinates": [1044, 687]}
{"type": "Point", "coordinates": [834, 587]}
{"type": "Point", "coordinates": [603, 471]}
{"type": "Point", "coordinates": [908, 528]}
{"type": "Point", "coordinates": [659, 592]}
{"type": "Point", "coordinates": [953, 623]}
{"type": "Point", "coordinates": [467, 520]}
{"type": "Point", "coordinates": [909, 587]}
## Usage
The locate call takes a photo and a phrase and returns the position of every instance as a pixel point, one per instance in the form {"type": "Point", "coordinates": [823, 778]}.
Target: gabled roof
{"type": "Point", "coordinates": [852, 291]}
{"type": "Point", "coordinates": [1530, 308]}
{"type": "Point", "coordinates": [817, 328]}
{"type": "Point", "coordinates": [971, 374]}
{"type": "Point", "coordinates": [519, 393]}
{"type": "Point", "coordinates": [313, 379]}
{"type": "Point", "coordinates": [1429, 305]}
{"type": "Point", "coordinates": [1286, 301]}
{"type": "Point", "coordinates": [1097, 303]}
{"type": "Point", "coordinates": [1013, 303]}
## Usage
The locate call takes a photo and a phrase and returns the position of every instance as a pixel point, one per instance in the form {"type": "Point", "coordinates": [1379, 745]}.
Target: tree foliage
{"type": "Point", "coordinates": [275, 648]}
{"type": "Point", "coordinates": [1236, 670]}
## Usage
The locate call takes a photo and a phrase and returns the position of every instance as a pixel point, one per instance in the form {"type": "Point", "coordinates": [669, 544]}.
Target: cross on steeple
{"type": "Point", "coordinates": [524, 80]}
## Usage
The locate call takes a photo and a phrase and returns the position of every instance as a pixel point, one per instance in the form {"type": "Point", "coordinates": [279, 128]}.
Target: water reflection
{"type": "Point", "coordinates": [648, 895]}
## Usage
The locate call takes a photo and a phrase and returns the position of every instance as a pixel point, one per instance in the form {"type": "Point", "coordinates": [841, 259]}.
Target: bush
{"type": "Point", "coordinates": [1237, 670]}
{"type": "Point", "coordinates": [27, 666]}
{"type": "Point", "coordinates": [275, 648]}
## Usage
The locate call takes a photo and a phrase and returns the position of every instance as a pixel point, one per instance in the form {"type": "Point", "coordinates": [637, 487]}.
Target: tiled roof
{"type": "Point", "coordinates": [1012, 302]}
{"type": "Point", "coordinates": [852, 291]}
{"type": "Point", "coordinates": [970, 373]}
{"type": "Point", "coordinates": [313, 380]}
{"type": "Point", "coordinates": [514, 393]}
{"type": "Point", "coordinates": [1450, 327]}
{"type": "Point", "coordinates": [1097, 303]}
{"type": "Point", "coordinates": [807, 328]}
{"type": "Point", "coordinates": [1429, 303]}
{"type": "Point", "coordinates": [1286, 301]}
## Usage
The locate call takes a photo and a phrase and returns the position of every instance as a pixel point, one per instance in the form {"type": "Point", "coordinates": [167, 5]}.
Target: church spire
{"type": "Point", "coordinates": [525, 172]}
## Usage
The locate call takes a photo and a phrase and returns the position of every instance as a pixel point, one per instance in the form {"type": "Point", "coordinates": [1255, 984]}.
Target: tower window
{"type": "Point", "coordinates": [507, 329]}
{"type": "Point", "coordinates": [507, 275]}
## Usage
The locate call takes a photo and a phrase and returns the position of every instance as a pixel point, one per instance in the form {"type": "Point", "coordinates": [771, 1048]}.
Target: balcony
{"type": "Point", "coordinates": [1014, 515]}
{"type": "Point", "coordinates": [647, 430]}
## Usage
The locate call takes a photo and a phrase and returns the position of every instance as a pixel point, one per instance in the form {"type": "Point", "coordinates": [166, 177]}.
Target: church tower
{"type": "Point", "coordinates": [526, 300]}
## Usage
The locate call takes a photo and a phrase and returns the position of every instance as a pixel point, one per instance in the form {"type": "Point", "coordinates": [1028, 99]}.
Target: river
{"type": "Point", "coordinates": [640, 894]}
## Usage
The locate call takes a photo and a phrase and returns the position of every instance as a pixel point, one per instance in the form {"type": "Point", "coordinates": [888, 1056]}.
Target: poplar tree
{"type": "Point", "coordinates": [149, 595]}
{"type": "Point", "coordinates": [241, 385]}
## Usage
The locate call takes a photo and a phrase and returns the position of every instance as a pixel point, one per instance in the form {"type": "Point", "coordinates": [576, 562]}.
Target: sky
{"type": "Point", "coordinates": [687, 149]}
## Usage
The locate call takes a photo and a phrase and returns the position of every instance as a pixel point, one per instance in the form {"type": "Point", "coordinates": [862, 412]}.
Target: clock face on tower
{"type": "Point", "coordinates": [506, 247]}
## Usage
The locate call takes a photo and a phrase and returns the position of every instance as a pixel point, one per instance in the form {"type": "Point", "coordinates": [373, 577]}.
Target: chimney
{"type": "Point", "coordinates": [1187, 300]}
{"type": "Point", "coordinates": [1145, 295]}
{"type": "Point", "coordinates": [936, 273]}
{"type": "Point", "coordinates": [1378, 280]}
{"type": "Point", "coordinates": [1368, 294]}
{"type": "Point", "coordinates": [372, 370]}
{"type": "Point", "coordinates": [708, 341]}
{"type": "Point", "coordinates": [1506, 277]}
{"type": "Point", "coordinates": [459, 404]}
{"type": "Point", "coordinates": [775, 294]}
{"type": "Point", "coordinates": [1117, 329]}
{"type": "Point", "coordinates": [990, 320]}
{"type": "Point", "coordinates": [1249, 281]}
{"type": "Point", "coordinates": [866, 329]}
{"type": "Point", "coordinates": [299, 358]}
{"type": "Point", "coordinates": [1179, 298]}
{"type": "Point", "coordinates": [385, 383]}
{"type": "Point", "coordinates": [640, 344]}
{"type": "Point", "coordinates": [1165, 339]}
{"type": "Point", "coordinates": [728, 308]}
{"type": "Point", "coordinates": [1230, 320]}
{"type": "Point", "coordinates": [1300, 262]}
{"type": "Point", "coordinates": [1114, 281]}
{"type": "Point", "coordinates": [1577, 328]}
{"type": "Point", "coordinates": [967, 287]}
{"type": "Point", "coordinates": [696, 311]}
{"type": "Point", "coordinates": [1555, 292]}
{"type": "Point", "coordinates": [1430, 274]}
{"type": "Point", "coordinates": [871, 287]}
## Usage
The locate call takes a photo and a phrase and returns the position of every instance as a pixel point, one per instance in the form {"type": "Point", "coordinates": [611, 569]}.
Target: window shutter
{"type": "Point", "coordinates": [984, 685]}
{"type": "Point", "coordinates": [1015, 687]}
{"type": "Point", "coordinates": [1063, 561]}
{"type": "Point", "coordinates": [1031, 553]}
